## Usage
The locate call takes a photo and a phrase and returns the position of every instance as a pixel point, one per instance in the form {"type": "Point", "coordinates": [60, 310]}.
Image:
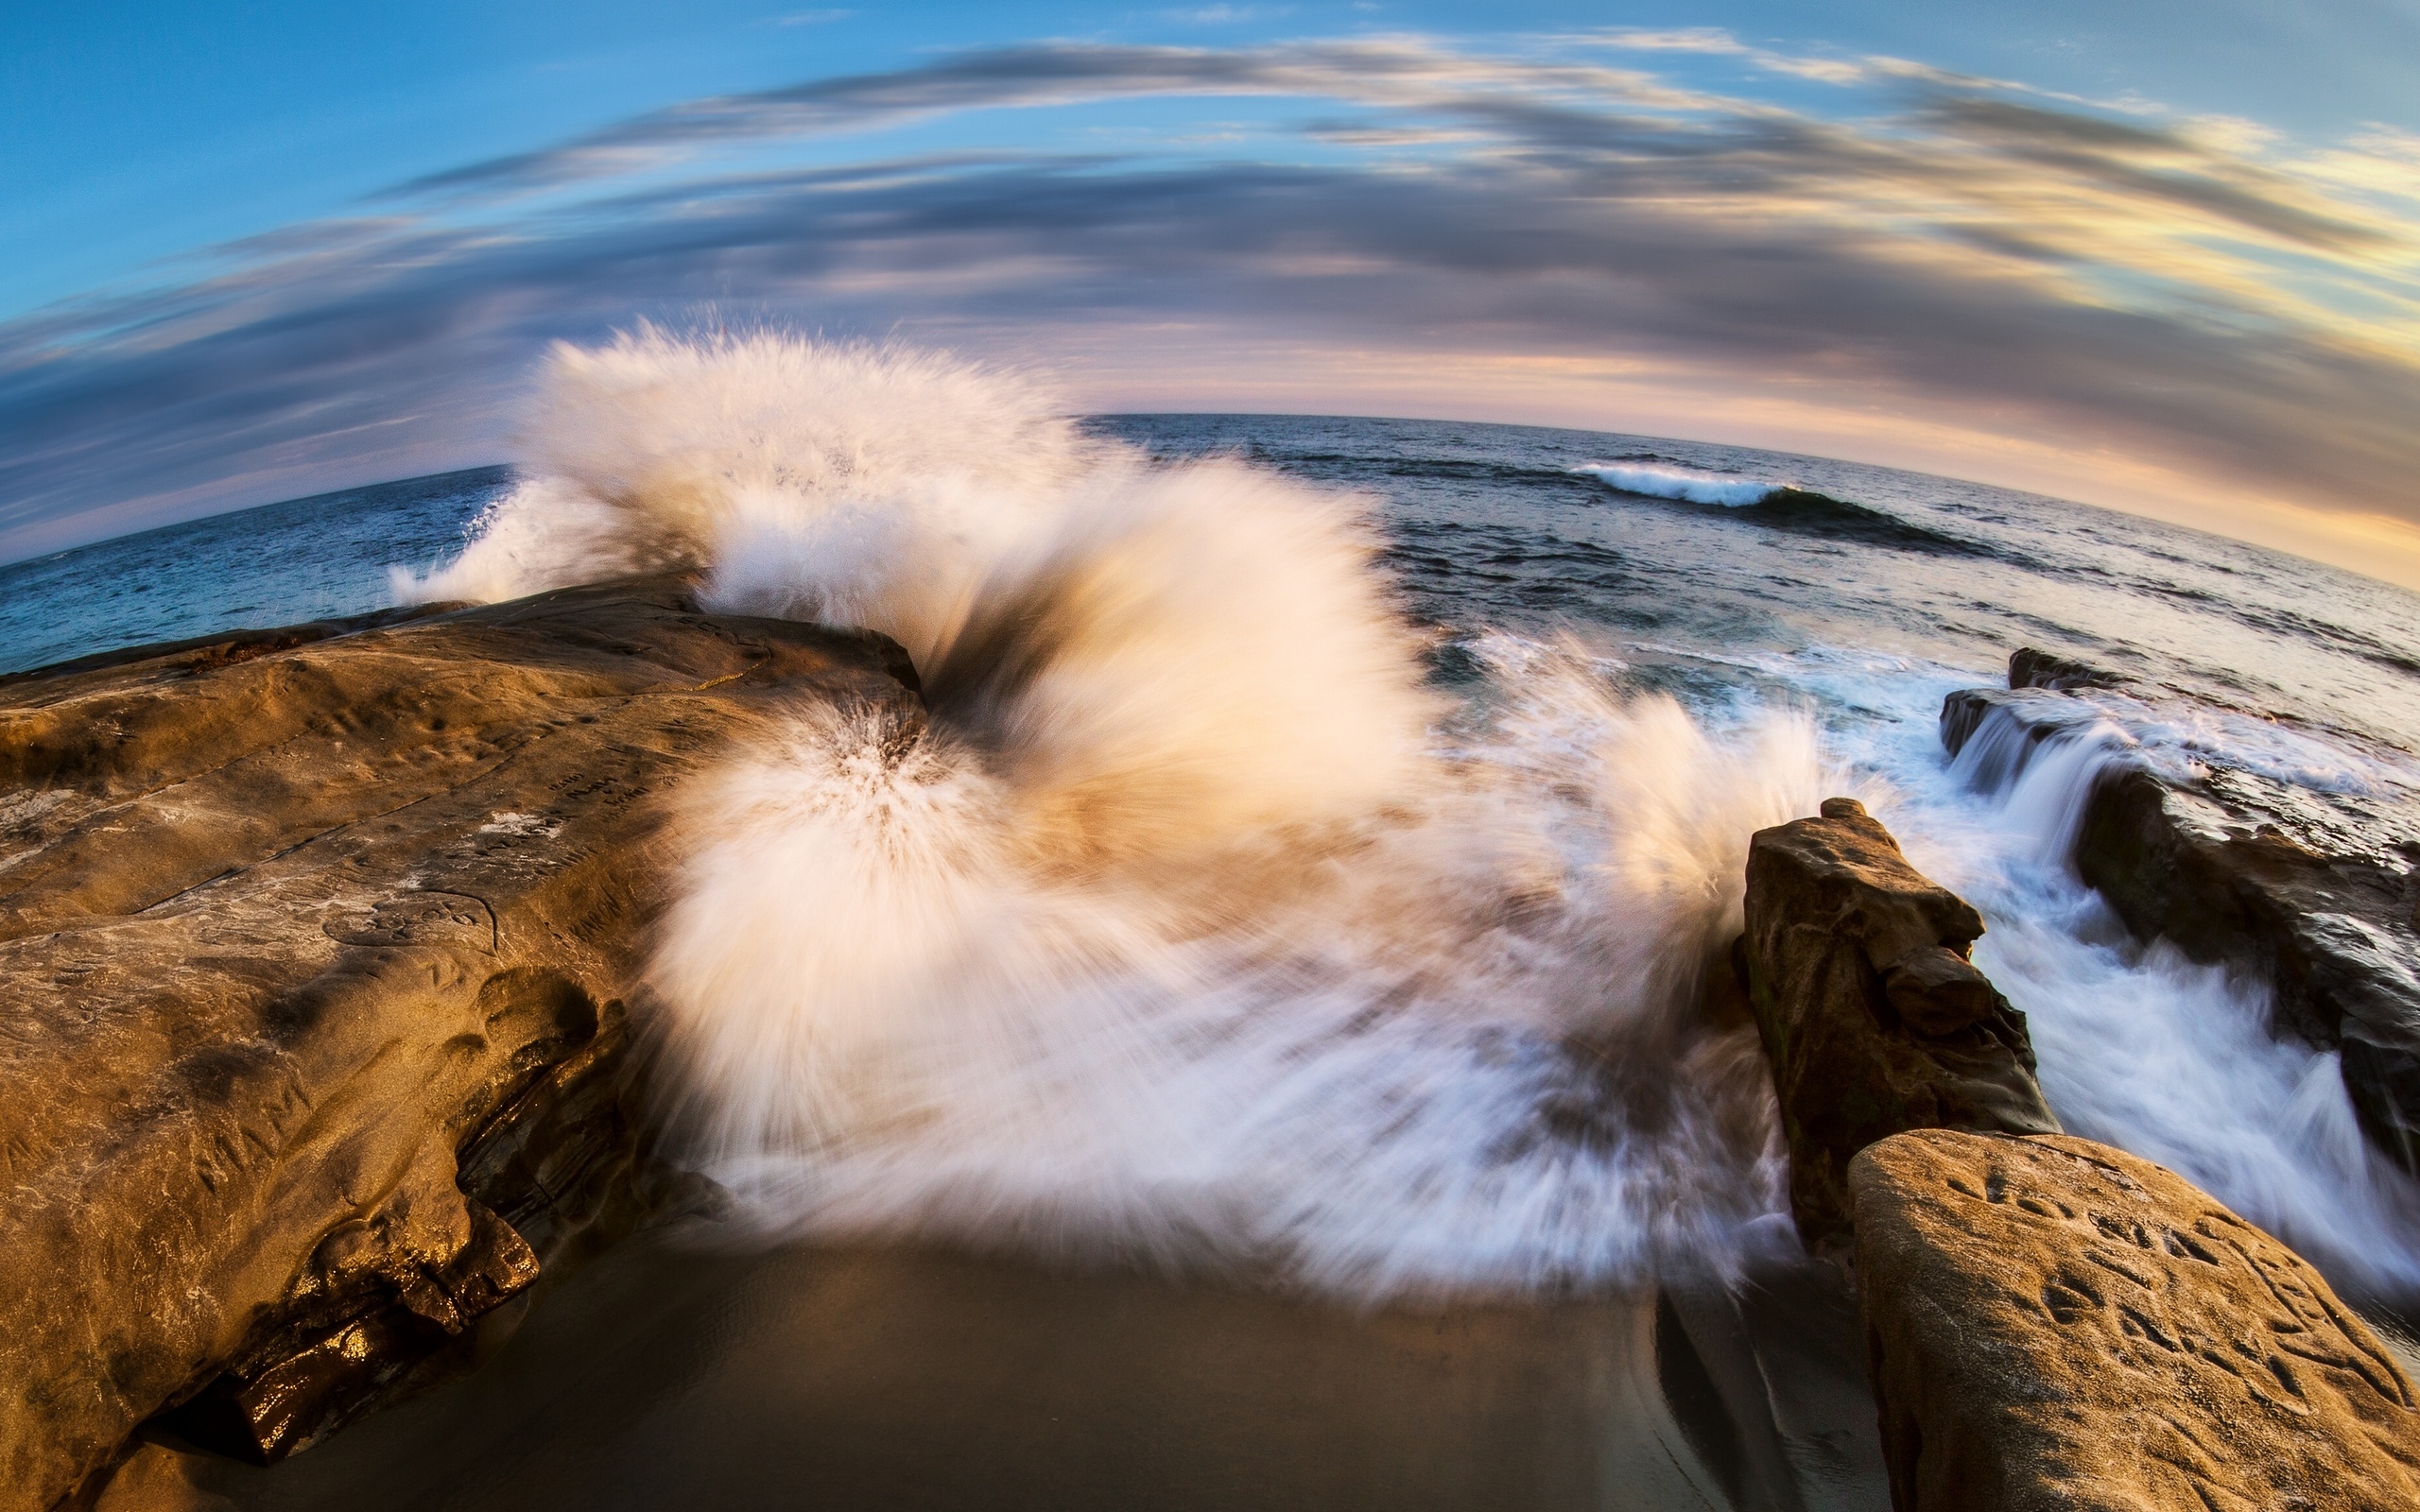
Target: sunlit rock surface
{"type": "Point", "coordinates": [1874, 1018]}
{"type": "Point", "coordinates": [315, 947]}
{"type": "Point", "coordinates": [2056, 1324]}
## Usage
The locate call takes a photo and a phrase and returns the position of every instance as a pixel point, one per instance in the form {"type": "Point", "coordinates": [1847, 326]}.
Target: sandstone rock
{"type": "Point", "coordinates": [1874, 1020]}
{"type": "Point", "coordinates": [2055, 1324]}
{"type": "Point", "coordinates": [2317, 893]}
{"type": "Point", "coordinates": [313, 951]}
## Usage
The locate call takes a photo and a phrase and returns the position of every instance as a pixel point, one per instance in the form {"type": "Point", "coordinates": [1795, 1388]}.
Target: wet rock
{"type": "Point", "coordinates": [315, 950]}
{"type": "Point", "coordinates": [2021, 721]}
{"type": "Point", "coordinates": [2315, 892]}
{"type": "Point", "coordinates": [2032, 714]}
{"type": "Point", "coordinates": [2032, 668]}
{"type": "Point", "coordinates": [1874, 1018]}
{"type": "Point", "coordinates": [2333, 931]}
{"type": "Point", "coordinates": [2055, 1324]}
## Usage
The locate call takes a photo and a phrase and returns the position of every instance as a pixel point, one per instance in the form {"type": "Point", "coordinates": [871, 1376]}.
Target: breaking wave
{"type": "Point", "coordinates": [1184, 923]}
{"type": "Point", "coordinates": [1672, 483]}
{"type": "Point", "coordinates": [1781, 507]}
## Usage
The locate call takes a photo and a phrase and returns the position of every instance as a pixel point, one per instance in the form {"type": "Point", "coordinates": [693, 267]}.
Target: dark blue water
{"type": "Point", "coordinates": [1489, 525]}
{"type": "Point", "coordinates": [279, 564]}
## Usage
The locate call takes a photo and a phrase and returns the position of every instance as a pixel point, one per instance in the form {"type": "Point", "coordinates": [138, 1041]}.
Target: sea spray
{"type": "Point", "coordinates": [1451, 1044]}
{"type": "Point", "coordinates": [846, 483]}
{"type": "Point", "coordinates": [1188, 927]}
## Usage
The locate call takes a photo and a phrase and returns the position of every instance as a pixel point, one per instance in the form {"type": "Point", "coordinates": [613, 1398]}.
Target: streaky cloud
{"type": "Point", "coordinates": [1960, 262]}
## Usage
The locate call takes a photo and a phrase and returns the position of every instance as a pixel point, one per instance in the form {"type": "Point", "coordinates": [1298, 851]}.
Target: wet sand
{"type": "Point", "coordinates": [674, 1374]}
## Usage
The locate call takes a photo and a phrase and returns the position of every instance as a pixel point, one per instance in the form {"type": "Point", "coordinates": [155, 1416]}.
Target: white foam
{"type": "Point", "coordinates": [1674, 482]}
{"type": "Point", "coordinates": [2139, 1048]}
{"type": "Point", "coordinates": [2183, 738]}
{"type": "Point", "coordinates": [1180, 933]}
{"type": "Point", "coordinates": [1191, 930]}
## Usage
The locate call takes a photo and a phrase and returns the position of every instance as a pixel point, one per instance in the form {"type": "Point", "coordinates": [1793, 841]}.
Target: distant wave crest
{"type": "Point", "coordinates": [1674, 482]}
{"type": "Point", "coordinates": [1780, 506]}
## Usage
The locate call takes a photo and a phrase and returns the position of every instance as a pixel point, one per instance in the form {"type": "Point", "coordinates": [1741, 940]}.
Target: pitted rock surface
{"type": "Point", "coordinates": [2055, 1324]}
{"type": "Point", "coordinates": [313, 953]}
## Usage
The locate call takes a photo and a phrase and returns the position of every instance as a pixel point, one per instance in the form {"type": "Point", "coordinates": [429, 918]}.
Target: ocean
{"type": "Point", "coordinates": [1432, 1064]}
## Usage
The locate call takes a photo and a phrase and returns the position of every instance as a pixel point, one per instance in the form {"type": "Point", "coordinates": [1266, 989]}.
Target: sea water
{"type": "Point", "coordinates": [1308, 870]}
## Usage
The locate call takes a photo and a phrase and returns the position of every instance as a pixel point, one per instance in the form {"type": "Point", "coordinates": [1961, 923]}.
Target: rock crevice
{"type": "Point", "coordinates": [2052, 1325]}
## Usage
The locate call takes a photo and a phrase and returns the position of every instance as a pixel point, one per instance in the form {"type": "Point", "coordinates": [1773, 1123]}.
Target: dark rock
{"type": "Point", "coordinates": [1874, 1018]}
{"type": "Point", "coordinates": [2333, 931]}
{"type": "Point", "coordinates": [2014, 725]}
{"type": "Point", "coordinates": [1937, 992]}
{"type": "Point", "coordinates": [2317, 893]}
{"type": "Point", "coordinates": [315, 950]}
{"type": "Point", "coordinates": [2030, 668]}
{"type": "Point", "coordinates": [2055, 1324]}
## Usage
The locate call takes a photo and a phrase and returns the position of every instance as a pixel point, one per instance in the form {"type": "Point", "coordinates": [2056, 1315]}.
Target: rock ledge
{"type": "Point", "coordinates": [315, 948]}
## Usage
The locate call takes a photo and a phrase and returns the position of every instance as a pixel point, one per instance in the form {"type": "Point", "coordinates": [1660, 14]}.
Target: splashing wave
{"type": "Point", "coordinates": [1186, 925]}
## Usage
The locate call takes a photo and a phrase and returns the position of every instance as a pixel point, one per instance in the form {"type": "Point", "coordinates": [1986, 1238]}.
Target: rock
{"type": "Point", "coordinates": [2030, 668]}
{"type": "Point", "coordinates": [2333, 931]}
{"type": "Point", "coordinates": [204, 652]}
{"type": "Point", "coordinates": [2008, 728]}
{"type": "Point", "coordinates": [1874, 1020]}
{"type": "Point", "coordinates": [2032, 715]}
{"type": "Point", "coordinates": [315, 949]}
{"type": "Point", "coordinates": [2055, 1324]}
{"type": "Point", "coordinates": [2317, 893]}
{"type": "Point", "coordinates": [1936, 991]}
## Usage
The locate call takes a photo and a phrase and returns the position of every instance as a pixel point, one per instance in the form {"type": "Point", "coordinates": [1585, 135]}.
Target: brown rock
{"type": "Point", "coordinates": [312, 955]}
{"type": "Point", "coordinates": [1872, 1015]}
{"type": "Point", "coordinates": [2055, 1324]}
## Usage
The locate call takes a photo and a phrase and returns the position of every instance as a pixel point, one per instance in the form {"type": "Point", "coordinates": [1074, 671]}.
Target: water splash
{"type": "Point", "coordinates": [1187, 927]}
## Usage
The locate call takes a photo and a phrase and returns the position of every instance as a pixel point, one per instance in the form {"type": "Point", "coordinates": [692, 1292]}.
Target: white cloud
{"type": "Point", "coordinates": [1968, 261]}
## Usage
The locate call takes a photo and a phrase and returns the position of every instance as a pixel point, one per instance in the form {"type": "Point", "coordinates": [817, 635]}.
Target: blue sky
{"type": "Point", "coordinates": [2160, 256]}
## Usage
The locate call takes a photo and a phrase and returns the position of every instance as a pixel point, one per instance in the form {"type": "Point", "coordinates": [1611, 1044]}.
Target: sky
{"type": "Point", "coordinates": [2159, 256]}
